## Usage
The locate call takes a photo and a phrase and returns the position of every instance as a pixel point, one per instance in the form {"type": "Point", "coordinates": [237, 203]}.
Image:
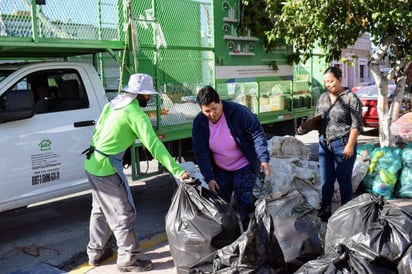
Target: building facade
{"type": "Point", "coordinates": [354, 62]}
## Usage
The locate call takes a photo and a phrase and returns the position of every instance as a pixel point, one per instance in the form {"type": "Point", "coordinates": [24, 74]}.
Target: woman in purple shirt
{"type": "Point", "coordinates": [230, 148]}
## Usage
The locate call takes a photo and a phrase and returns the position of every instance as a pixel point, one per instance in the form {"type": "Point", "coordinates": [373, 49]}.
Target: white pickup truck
{"type": "Point", "coordinates": [47, 116]}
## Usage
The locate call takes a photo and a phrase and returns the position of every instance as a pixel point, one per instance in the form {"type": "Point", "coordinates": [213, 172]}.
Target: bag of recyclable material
{"type": "Point", "coordinates": [402, 127]}
{"type": "Point", "coordinates": [292, 173]}
{"type": "Point", "coordinates": [255, 251]}
{"type": "Point", "coordinates": [288, 147]}
{"type": "Point", "coordinates": [404, 188]}
{"type": "Point", "coordinates": [343, 261]}
{"type": "Point", "coordinates": [383, 171]}
{"type": "Point", "coordinates": [295, 228]}
{"type": "Point", "coordinates": [386, 172]}
{"type": "Point", "coordinates": [198, 223]}
{"type": "Point", "coordinates": [372, 227]}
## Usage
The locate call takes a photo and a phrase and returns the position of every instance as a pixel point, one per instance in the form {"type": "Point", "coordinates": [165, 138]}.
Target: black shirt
{"type": "Point", "coordinates": [341, 117]}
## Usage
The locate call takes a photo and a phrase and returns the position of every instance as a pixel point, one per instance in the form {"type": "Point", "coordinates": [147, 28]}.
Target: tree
{"type": "Point", "coordinates": [333, 25]}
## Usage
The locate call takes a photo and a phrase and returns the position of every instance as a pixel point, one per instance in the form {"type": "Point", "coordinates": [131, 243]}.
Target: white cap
{"type": "Point", "coordinates": [140, 83]}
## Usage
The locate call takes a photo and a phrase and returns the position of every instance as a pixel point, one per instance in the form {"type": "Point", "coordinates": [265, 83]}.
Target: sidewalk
{"type": "Point", "coordinates": [156, 249]}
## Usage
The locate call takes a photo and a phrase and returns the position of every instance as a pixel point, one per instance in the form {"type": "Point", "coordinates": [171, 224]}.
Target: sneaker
{"type": "Point", "coordinates": [325, 213]}
{"type": "Point", "coordinates": [139, 266]}
{"type": "Point", "coordinates": [108, 252]}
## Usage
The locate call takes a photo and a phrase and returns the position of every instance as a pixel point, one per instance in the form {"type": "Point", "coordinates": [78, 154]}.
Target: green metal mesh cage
{"type": "Point", "coordinates": [179, 74]}
{"type": "Point", "coordinates": [75, 19]}
{"type": "Point", "coordinates": [176, 47]}
{"type": "Point", "coordinates": [171, 23]}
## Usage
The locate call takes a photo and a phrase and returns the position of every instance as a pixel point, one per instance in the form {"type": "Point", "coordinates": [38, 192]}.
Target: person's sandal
{"type": "Point", "coordinates": [139, 266]}
{"type": "Point", "coordinates": [108, 252]}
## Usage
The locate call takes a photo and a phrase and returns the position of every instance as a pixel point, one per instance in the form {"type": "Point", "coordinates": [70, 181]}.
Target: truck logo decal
{"type": "Point", "coordinates": [46, 166]}
{"type": "Point", "coordinates": [45, 145]}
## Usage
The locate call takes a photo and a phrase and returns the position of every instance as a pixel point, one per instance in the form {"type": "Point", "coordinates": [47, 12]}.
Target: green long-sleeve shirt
{"type": "Point", "coordinates": [116, 130]}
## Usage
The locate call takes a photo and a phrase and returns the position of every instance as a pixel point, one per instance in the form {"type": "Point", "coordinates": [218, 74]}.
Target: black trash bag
{"type": "Point", "coordinates": [405, 264]}
{"type": "Point", "coordinates": [255, 251]}
{"type": "Point", "coordinates": [198, 223]}
{"type": "Point", "coordinates": [373, 228]}
{"type": "Point", "coordinates": [342, 261]}
{"type": "Point", "coordinates": [296, 228]}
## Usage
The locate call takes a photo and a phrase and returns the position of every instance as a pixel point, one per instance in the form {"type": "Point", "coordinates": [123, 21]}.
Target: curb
{"type": "Point", "coordinates": [144, 244]}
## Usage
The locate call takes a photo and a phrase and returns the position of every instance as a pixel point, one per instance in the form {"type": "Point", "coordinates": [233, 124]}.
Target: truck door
{"type": "Point", "coordinates": [41, 155]}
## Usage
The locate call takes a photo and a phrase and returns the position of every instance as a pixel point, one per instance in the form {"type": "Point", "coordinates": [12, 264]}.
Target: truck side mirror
{"type": "Point", "coordinates": [16, 105]}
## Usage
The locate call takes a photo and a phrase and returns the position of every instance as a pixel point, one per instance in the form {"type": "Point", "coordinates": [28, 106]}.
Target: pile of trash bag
{"type": "Point", "coordinates": [285, 235]}
{"type": "Point", "coordinates": [271, 243]}
{"type": "Point", "coordinates": [366, 235]}
{"type": "Point", "coordinates": [290, 169]}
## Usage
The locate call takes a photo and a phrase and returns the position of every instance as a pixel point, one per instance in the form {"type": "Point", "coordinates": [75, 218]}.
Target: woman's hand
{"type": "Point", "coordinates": [265, 168]}
{"type": "Point", "coordinates": [348, 152]}
{"type": "Point", "coordinates": [213, 186]}
{"type": "Point", "coordinates": [301, 130]}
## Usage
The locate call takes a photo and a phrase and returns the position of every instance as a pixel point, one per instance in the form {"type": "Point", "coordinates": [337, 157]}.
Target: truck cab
{"type": "Point", "coordinates": [47, 116]}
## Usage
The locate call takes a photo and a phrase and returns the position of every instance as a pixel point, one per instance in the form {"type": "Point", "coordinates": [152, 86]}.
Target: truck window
{"type": "Point", "coordinates": [57, 90]}
{"type": "Point", "coordinates": [16, 105]}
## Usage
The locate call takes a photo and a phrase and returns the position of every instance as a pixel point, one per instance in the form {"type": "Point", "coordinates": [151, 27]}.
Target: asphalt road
{"type": "Point", "coordinates": [52, 237]}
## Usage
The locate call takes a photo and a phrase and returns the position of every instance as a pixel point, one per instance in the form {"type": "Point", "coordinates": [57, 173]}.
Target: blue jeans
{"type": "Point", "coordinates": [240, 183]}
{"type": "Point", "coordinates": [333, 167]}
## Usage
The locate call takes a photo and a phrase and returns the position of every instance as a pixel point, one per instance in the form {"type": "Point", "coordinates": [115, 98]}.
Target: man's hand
{"type": "Point", "coordinates": [213, 186]}
{"type": "Point", "coordinates": [185, 175]}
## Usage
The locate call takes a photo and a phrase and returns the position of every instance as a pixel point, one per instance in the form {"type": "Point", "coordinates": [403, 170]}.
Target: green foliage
{"type": "Point", "coordinates": [331, 25]}
{"type": "Point", "coordinates": [254, 17]}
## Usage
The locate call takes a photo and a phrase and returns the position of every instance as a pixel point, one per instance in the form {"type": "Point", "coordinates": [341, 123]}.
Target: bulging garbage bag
{"type": "Point", "coordinates": [296, 228]}
{"type": "Point", "coordinates": [198, 223]}
{"type": "Point", "coordinates": [402, 127]}
{"type": "Point", "coordinates": [383, 171]}
{"type": "Point", "coordinates": [342, 261]}
{"type": "Point", "coordinates": [387, 171]}
{"type": "Point", "coordinates": [372, 227]}
{"type": "Point", "coordinates": [255, 251]}
{"type": "Point", "coordinates": [404, 187]}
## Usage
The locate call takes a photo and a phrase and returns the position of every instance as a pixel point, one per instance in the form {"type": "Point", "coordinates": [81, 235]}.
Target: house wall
{"type": "Point", "coordinates": [354, 62]}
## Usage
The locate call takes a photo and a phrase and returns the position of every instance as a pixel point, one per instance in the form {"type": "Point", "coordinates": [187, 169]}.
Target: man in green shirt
{"type": "Point", "coordinates": [121, 122]}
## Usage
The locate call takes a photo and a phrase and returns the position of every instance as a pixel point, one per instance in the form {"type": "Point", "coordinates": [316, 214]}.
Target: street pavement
{"type": "Point", "coordinates": [153, 197]}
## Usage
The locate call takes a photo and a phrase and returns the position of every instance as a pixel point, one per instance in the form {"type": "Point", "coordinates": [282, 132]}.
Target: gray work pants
{"type": "Point", "coordinates": [112, 212]}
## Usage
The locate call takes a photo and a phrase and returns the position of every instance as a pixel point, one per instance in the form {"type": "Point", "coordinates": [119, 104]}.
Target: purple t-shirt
{"type": "Point", "coordinates": [226, 153]}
